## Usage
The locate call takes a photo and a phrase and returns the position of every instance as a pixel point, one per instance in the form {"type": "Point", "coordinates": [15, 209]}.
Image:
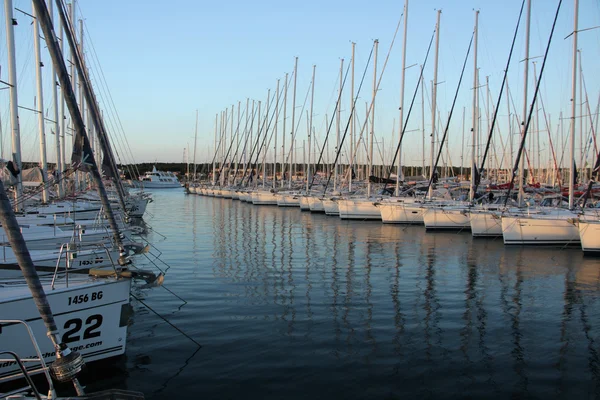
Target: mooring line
{"type": "Point", "coordinates": [166, 320]}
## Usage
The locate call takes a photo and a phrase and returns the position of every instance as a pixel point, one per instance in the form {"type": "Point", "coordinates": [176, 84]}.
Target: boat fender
{"type": "Point", "coordinates": [150, 277]}
{"type": "Point", "coordinates": [137, 248]}
{"type": "Point", "coordinates": [136, 230]}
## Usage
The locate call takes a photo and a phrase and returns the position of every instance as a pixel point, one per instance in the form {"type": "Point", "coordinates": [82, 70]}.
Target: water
{"type": "Point", "coordinates": [298, 305]}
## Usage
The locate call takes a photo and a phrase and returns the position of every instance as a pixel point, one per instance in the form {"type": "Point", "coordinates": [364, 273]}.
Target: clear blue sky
{"type": "Point", "coordinates": [162, 61]}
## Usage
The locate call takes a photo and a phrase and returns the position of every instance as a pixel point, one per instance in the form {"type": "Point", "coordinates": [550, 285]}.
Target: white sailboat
{"type": "Point", "coordinates": [288, 199]}
{"type": "Point", "coordinates": [456, 214]}
{"type": "Point", "coordinates": [360, 208]}
{"type": "Point", "coordinates": [315, 204]}
{"type": "Point", "coordinates": [364, 207]}
{"type": "Point", "coordinates": [551, 225]}
{"type": "Point", "coordinates": [264, 197]}
{"type": "Point", "coordinates": [91, 312]}
{"type": "Point", "coordinates": [330, 206]}
{"type": "Point", "coordinates": [589, 234]}
{"type": "Point", "coordinates": [401, 210]}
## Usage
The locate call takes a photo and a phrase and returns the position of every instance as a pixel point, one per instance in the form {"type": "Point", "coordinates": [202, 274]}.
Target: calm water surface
{"type": "Point", "coordinates": [298, 305]}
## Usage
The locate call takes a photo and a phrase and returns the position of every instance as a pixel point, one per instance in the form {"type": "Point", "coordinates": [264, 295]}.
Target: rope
{"type": "Point", "coordinates": [537, 89]}
{"type": "Point", "coordinates": [166, 320]}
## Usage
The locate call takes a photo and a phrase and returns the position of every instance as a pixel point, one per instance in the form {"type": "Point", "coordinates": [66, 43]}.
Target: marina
{"type": "Point", "coordinates": [290, 304]}
{"type": "Point", "coordinates": [416, 215]}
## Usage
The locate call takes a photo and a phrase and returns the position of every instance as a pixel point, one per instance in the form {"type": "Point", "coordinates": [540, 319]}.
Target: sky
{"type": "Point", "coordinates": [153, 64]}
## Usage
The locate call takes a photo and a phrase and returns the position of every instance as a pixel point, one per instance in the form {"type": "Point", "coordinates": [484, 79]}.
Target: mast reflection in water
{"type": "Point", "coordinates": [297, 305]}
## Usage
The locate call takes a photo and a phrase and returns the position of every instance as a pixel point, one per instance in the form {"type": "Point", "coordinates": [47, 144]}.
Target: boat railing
{"type": "Point", "coordinates": [24, 371]}
{"type": "Point", "coordinates": [69, 253]}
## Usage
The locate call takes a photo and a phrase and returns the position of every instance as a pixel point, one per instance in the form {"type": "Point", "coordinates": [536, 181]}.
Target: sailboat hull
{"type": "Point", "coordinates": [543, 231]}
{"type": "Point", "coordinates": [401, 213]}
{"type": "Point", "coordinates": [331, 207]}
{"type": "Point", "coordinates": [288, 200]}
{"type": "Point", "coordinates": [486, 224]}
{"type": "Point", "coordinates": [589, 234]}
{"type": "Point", "coordinates": [264, 199]}
{"type": "Point", "coordinates": [316, 205]}
{"type": "Point", "coordinates": [359, 210]}
{"type": "Point", "coordinates": [92, 317]}
{"type": "Point", "coordinates": [304, 203]}
{"type": "Point", "coordinates": [446, 218]}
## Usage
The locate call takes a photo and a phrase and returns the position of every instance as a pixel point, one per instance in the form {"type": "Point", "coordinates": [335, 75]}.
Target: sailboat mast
{"type": "Point", "coordinates": [376, 44]}
{"type": "Point", "coordinates": [525, 85]}
{"type": "Point", "coordinates": [226, 151]}
{"type": "Point", "coordinates": [258, 129]}
{"type": "Point", "coordinates": [293, 122]}
{"type": "Point", "coordinates": [55, 53]}
{"type": "Point", "coordinates": [312, 98]}
{"type": "Point", "coordinates": [222, 141]}
{"type": "Point", "coordinates": [246, 134]}
{"type": "Point", "coordinates": [573, 109]}
{"type": "Point", "coordinates": [509, 127]}
{"type": "Point", "coordinates": [63, 154]}
{"type": "Point", "coordinates": [14, 103]}
{"type": "Point", "coordinates": [462, 146]}
{"type": "Point", "coordinates": [582, 168]}
{"type": "Point", "coordinates": [401, 119]}
{"type": "Point", "coordinates": [475, 124]}
{"type": "Point", "coordinates": [57, 125]}
{"type": "Point", "coordinates": [422, 123]}
{"type": "Point", "coordinates": [72, 14]}
{"type": "Point", "coordinates": [90, 99]}
{"type": "Point", "coordinates": [337, 125]}
{"type": "Point", "coordinates": [82, 102]}
{"type": "Point", "coordinates": [275, 134]}
{"type": "Point", "coordinates": [434, 98]}
{"type": "Point", "coordinates": [214, 166]}
{"type": "Point", "coordinates": [536, 137]}
{"type": "Point", "coordinates": [195, 142]}
{"type": "Point", "coordinates": [237, 138]}
{"type": "Point", "coordinates": [266, 133]}
{"type": "Point", "coordinates": [284, 134]}
{"type": "Point", "coordinates": [40, 107]}
{"type": "Point", "coordinates": [352, 105]}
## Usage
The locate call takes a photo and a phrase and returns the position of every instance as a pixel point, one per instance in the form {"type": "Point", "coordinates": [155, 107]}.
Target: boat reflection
{"type": "Point", "coordinates": [362, 293]}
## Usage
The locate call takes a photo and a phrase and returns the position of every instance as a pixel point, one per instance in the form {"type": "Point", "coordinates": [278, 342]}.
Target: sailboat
{"type": "Point", "coordinates": [91, 309]}
{"type": "Point", "coordinates": [361, 207]}
{"type": "Point", "coordinates": [550, 225]}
